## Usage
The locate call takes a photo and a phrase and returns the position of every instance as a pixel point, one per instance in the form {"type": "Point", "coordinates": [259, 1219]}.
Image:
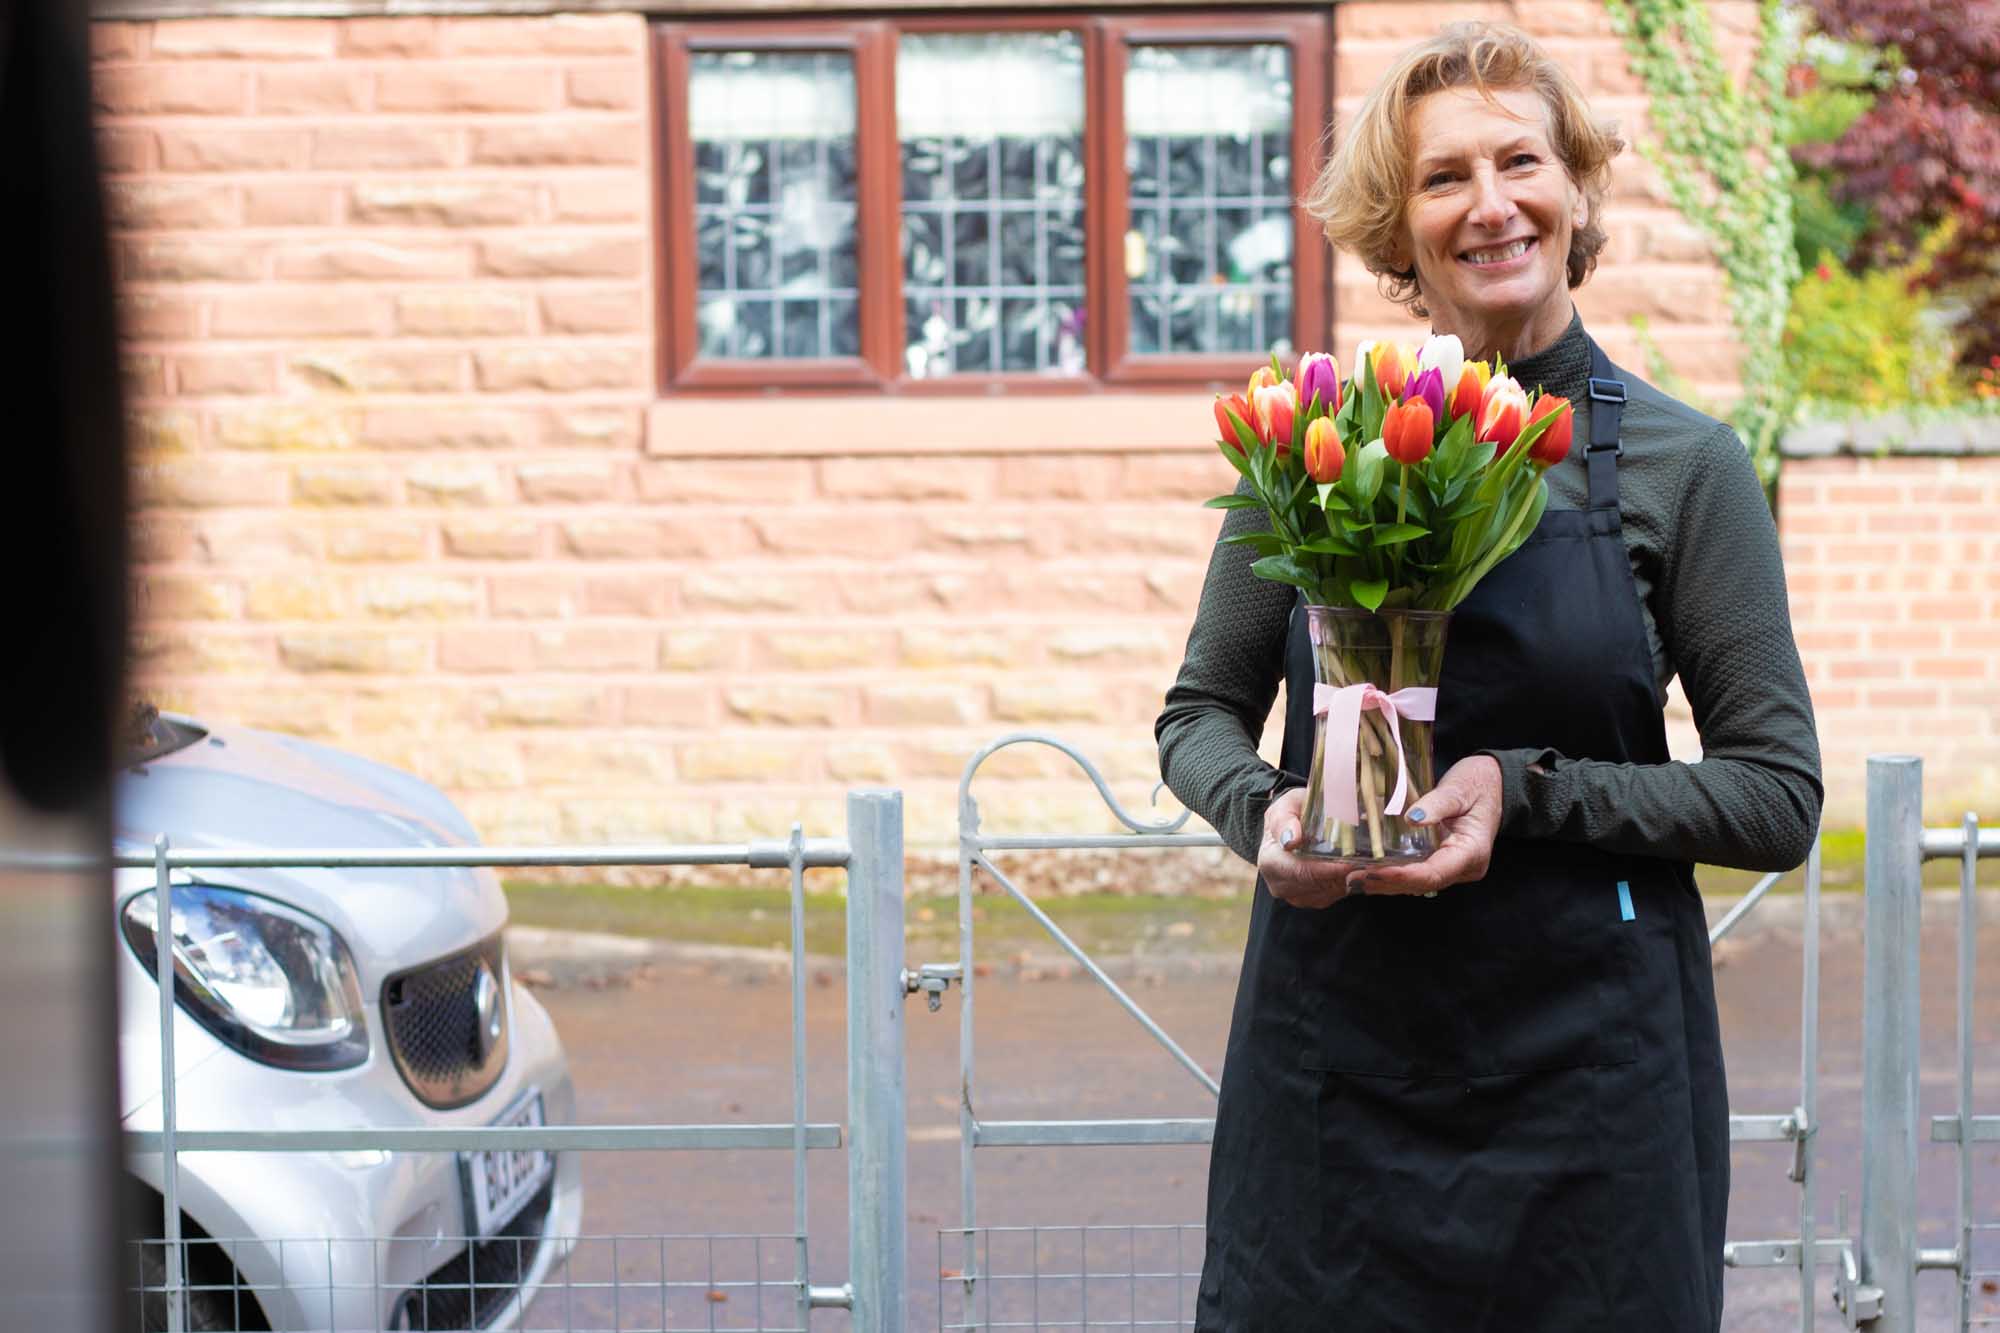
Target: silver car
{"type": "Point", "coordinates": [330, 999]}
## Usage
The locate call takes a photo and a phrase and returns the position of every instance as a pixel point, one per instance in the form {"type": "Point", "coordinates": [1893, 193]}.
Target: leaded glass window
{"type": "Point", "coordinates": [990, 129]}
{"type": "Point", "coordinates": [1208, 150]}
{"type": "Point", "coordinates": [775, 204]}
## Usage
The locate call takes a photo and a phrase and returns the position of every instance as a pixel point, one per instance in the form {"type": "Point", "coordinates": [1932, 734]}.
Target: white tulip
{"type": "Point", "coordinates": [1444, 353]}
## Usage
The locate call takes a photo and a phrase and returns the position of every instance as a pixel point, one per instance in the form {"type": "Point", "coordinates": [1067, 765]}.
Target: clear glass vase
{"type": "Point", "coordinates": [1374, 699]}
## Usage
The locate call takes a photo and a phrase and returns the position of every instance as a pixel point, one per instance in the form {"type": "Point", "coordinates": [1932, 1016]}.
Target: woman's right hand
{"type": "Point", "coordinates": [1311, 882]}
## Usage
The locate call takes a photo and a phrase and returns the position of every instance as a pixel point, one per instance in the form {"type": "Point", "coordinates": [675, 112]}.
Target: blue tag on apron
{"type": "Point", "coordinates": [1624, 901]}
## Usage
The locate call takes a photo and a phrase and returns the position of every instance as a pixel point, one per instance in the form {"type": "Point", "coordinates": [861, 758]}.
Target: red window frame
{"type": "Point", "coordinates": [1107, 40]}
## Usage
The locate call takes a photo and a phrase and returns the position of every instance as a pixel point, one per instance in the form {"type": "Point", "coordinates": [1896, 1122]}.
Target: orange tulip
{"type": "Point", "coordinates": [1553, 445]}
{"type": "Point", "coordinates": [1324, 456]}
{"type": "Point", "coordinates": [1393, 368]}
{"type": "Point", "coordinates": [1275, 405]}
{"type": "Point", "coordinates": [1502, 413]}
{"type": "Point", "coordinates": [1223, 407]}
{"type": "Point", "coordinates": [1470, 389]}
{"type": "Point", "coordinates": [1406, 431]}
{"type": "Point", "coordinates": [1260, 378]}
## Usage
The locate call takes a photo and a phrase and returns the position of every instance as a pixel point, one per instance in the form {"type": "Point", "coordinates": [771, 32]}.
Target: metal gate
{"type": "Point", "coordinates": [1043, 1276]}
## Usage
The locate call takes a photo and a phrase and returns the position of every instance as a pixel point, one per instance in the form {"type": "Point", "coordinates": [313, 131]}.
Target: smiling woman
{"type": "Point", "coordinates": [1485, 1089]}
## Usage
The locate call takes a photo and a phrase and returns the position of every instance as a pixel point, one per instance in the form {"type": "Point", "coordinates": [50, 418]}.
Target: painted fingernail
{"type": "Point", "coordinates": [1417, 815]}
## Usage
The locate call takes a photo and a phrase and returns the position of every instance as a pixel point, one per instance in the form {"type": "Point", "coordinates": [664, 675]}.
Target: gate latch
{"type": "Point", "coordinates": [933, 979]}
{"type": "Point", "coordinates": [1859, 1302]}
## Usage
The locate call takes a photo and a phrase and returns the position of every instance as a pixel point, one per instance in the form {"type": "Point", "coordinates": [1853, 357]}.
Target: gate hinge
{"type": "Point", "coordinates": [933, 979]}
{"type": "Point", "coordinates": [1801, 1132]}
{"type": "Point", "coordinates": [1859, 1302]}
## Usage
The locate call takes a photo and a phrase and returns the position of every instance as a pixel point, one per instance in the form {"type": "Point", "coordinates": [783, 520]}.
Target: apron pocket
{"type": "Point", "coordinates": [1498, 977]}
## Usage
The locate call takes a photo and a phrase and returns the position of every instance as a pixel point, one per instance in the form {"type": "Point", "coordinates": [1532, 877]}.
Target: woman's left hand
{"type": "Point", "coordinates": [1466, 805]}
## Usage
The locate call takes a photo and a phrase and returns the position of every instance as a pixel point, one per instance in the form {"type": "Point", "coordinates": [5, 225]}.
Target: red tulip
{"type": "Point", "coordinates": [1553, 445]}
{"type": "Point", "coordinates": [1470, 389]}
{"type": "Point", "coordinates": [1223, 407]}
{"type": "Point", "coordinates": [1275, 405]}
{"type": "Point", "coordinates": [1406, 431]}
{"type": "Point", "coordinates": [1502, 413]}
{"type": "Point", "coordinates": [1324, 455]}
{"type": "Point", "coordinates": [1393, 367]}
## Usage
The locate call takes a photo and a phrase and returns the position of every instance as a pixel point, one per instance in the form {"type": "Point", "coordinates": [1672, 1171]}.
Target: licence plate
{"type": "Point", "coordinates": [499, 1181]}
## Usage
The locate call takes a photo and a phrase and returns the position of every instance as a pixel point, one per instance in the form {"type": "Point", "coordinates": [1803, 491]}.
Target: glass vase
{"type": "Point", "coordinates": [1374, 701]}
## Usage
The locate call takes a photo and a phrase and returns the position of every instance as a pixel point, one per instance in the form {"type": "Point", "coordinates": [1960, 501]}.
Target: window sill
{"type": "Point", "coordinates": [819, 426]}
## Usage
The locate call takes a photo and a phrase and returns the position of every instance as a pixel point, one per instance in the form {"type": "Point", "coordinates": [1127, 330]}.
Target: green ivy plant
{"type": "Point", "coordinates": [1720, 150]}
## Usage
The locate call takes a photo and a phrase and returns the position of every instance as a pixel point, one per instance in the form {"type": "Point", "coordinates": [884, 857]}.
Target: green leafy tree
{"type": "Point", "coordinates": [1720, 150]}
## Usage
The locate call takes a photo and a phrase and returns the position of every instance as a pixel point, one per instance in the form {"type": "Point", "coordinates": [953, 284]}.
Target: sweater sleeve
{"type": "Point", "coordinates": [1753, 799]}
{"type": "Point", "coordinates": [1216, 709]}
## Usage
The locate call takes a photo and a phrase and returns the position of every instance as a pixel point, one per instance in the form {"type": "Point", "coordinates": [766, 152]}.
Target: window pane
{"type": "Point", "coordinates": [1208, 147]}
{"type": "Point", "coordinates": [991, 134]}
{"type": "Point", "coordinates": [774, 204]}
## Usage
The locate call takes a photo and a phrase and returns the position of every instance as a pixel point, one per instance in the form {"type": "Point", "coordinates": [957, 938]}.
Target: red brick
{"type": "Point", "coordinates": [570, 141]}
{"type": "Point", "coordinates": [267, 314]}
{"type": "Point", "coordinates": [224, 373]}
{"type": "Point", "coordinates": [605, 87]}
{"type": "Point", "coordinates": [1188, 477]}
{"type": "Point", "coordinates": [311, 90]}
{"type": "Point", "coordinates": [676, 705]}
{"type": "Point", "coordinates": [1058, 478]}
{"type": "Point", "coordinates": [244, 39]}
{"type": "Point", "coordinates": [621, 537]}
{"type": "Point", "coordinates": [289, 204]}
{"type": "Point", "coordinates": [1866, 668]}
{"type": "Point", "coordinates": [758, 482]}
{"type": "Point", "coordinates": [208, 483]}
{"type": "Point", "coordinates": [880, 535]}
{"type": "Point", "coordinates": [618, 310]}
{"type": "Point", "coordinates": [232, 149]}
{"type": "Point", "coordinates": [492, 539]}
{"type": "Point", "coordinates": [443, 203]}
{"type": "Point", "coordinates": [394, 148]}
{"type": "Point", "coordinates": [372, 260]}
{"type": "Point", "coordinates": [388, 37]}
{"type": "Point", "coordinates": [566, 34]}
{"type": "Point", "coordinates": [940, 477]}
{"type": "Point", "coordinates": [217, 259]}
{"type": "Point", "coordinates": [145, 204]}
{"type": "Point", "coordinates": [561, 256]}
{"type": "Point", "coordinates": [381, 370]}
{"type": "Point", "coordinates": [461, 312]}
{"type": "Point", "coordinates": [462, 88]}
{"type": "Point", "coordinates": [118, 41]}
{"type": "Point", "coordinates": [463, 426]}
{"type": "Point", "coordinates": [125, 152]}
{"type": "Point", "coordinates": [533, 596]}
{"type": "Point", "coordinates": [1951, 668]}
{"type": "Point", "coordinates": [145, 376]}
{"type": "Point", "coordinates": [567, 482]}
{"type": "Point", "coordinates": [145, 315]}
{"type": "Point", "coordinates": [559, 369]}
{"type": "Point", "coordinates": [1391, 19]}
{"type": "Point", "coordinates": [167, 90]}
{"type": "Point", "coordinates": [593, 428]}
{"type": "Point", "coordinates": [485, 651]}
{"type": "Point", "coordinates": [596, 648]}
{"type": "Point", "coordinates": [646, 596]}
{"type": "Point", "coordinates": [620, 198]}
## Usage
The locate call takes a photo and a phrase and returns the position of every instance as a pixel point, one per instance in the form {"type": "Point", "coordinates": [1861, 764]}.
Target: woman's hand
{"type": "Point", "coordinates": [1302, 881]}
{"type": "Point", "coordinates": [1466, 805]}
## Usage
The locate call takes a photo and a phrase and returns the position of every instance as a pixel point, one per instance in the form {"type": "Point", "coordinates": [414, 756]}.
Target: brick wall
{"type": "Point", "coordinates": [1894, 565]}
{"type": "Point", "coordinates": [405, 483]}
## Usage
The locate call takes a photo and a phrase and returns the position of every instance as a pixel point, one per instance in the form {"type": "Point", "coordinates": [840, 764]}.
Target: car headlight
{"type": "Point", "coordinates": [266, 979]}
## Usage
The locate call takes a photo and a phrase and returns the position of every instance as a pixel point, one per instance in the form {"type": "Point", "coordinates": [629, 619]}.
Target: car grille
{"type": "Point", "coordinates": [476, 1288]}
{"type": "Point", "coordinates": [435, 1032]}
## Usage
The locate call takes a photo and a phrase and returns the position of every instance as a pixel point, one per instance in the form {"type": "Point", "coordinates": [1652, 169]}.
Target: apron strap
{"type": "Point", "coordinates": [1607, 406]}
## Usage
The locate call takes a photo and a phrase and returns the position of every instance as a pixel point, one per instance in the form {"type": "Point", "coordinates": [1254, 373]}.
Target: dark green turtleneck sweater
{"type": "Point", "coordinates": [1705, 557]}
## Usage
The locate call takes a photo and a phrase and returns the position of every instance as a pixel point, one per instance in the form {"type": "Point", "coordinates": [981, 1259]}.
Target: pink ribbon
{"type": "Point", "coordinates": [1342, 707]}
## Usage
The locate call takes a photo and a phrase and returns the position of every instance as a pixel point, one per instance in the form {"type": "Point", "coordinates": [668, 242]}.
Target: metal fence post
{"type": "Point", "coordinates": [1888, 1250]}
{"type": "Point", "coordinates": [878, 1225]}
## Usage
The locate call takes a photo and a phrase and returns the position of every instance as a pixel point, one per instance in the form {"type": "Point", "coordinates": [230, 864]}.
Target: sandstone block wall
{"type": "Point", "coordinates": [406, 483]}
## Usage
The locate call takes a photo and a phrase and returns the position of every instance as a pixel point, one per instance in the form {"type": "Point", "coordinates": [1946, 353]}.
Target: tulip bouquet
{"type": "Point", "coordinates": [1388, 498]}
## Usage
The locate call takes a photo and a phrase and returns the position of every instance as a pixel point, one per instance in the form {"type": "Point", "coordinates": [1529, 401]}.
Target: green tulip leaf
{"type": "Point", "coordinates": [1367, 593]}
{"type": "Point", "coordinates": [1285, 569]}
{"type": "Point", "coordinates": [1369, 463]}
{"type": "Point", "coordinates": [1263, 543]}
{"type": "Point", "coordinates": [1244, 434]}
{"type": "Point", "coordinates": [1233, 502]}
{"type": "Point", "coordinates": [1330, 545]}
{"type": "Point", "coordinates": [1394, 534]}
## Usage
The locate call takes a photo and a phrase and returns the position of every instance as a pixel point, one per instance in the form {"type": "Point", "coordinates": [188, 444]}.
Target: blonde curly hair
{"type": "Point", "coordinates": [1360, 193]}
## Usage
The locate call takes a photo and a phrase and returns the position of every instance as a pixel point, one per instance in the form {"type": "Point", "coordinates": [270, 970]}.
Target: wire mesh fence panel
{"type": "Point", "coordinates": [531, 1283]}
{"type": "Point", "coordinates": [1069, 1279]}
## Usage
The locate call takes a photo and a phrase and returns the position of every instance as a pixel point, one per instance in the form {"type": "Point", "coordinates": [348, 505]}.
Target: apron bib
{"type": "Point", "coordinates": [1502, 1109]}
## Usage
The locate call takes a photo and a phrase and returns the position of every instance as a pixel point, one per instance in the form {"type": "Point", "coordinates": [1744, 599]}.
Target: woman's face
{"type": "Point", "coordinates": [1489, 218]}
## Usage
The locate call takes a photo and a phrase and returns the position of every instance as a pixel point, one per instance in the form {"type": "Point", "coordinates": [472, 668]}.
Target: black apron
{"type": "Point", "coordinates": [1502, 1109]}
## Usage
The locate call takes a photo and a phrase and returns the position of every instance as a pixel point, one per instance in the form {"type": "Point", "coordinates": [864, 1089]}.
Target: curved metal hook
{"type": "Point", "coordinates": [1036, 738]}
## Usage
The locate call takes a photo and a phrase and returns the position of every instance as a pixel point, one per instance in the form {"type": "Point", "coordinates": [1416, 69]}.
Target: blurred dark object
{"type": "Point", "coordinates": [1926, 154]}
{"type": "Point", "coordinates": [61, 659]}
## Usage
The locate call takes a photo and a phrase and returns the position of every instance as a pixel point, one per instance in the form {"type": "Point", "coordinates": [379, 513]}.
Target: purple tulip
{"type": "Point", "coordinates": [1319, 374]}
{"type": "Point", "coordinates": [1428, 386]}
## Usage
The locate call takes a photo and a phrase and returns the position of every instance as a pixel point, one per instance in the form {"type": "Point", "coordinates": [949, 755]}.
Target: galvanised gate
{"type": "Point", "coordinates": [1860, 1267]}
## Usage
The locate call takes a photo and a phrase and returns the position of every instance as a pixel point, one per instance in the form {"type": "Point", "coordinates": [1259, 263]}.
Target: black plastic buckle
{"type": "Point", "coordinates": [1607, 391]}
